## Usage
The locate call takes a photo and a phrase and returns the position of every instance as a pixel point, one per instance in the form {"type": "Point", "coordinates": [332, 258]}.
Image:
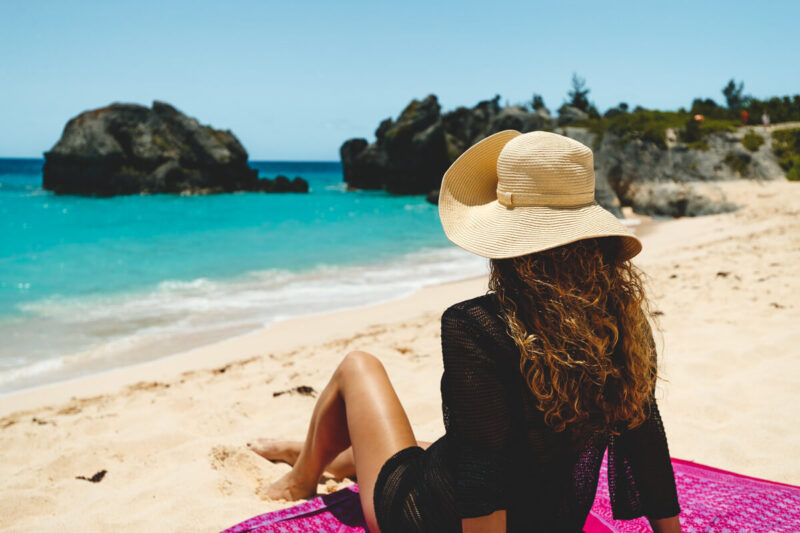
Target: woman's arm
{"type": "Point", "coordinates": [640, 475]}
{"type": "Point", "coordinates": [477, 418]}
{"type": "Point", "coordinates": [493, 523]}
{"type": "Point", "coordinates": [666, 525]}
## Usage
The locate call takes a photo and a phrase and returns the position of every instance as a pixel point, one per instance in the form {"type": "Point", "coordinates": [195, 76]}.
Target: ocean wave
{"type": "Point", "coordinates": [61, 338]}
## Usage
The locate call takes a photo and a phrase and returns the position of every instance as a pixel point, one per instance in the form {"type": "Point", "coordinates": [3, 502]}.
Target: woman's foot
{"type": "Point", "coordinates": [287, 488]}
{"type": "Point", "coordinates": [277, 450]}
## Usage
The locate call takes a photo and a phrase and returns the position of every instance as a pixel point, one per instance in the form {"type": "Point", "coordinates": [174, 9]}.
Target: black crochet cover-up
{"type": "Point", "coordinates": [498, 453]}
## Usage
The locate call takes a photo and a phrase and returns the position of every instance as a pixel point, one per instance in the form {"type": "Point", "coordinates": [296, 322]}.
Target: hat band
{"type": "Point", "coordinates": [535, 199]}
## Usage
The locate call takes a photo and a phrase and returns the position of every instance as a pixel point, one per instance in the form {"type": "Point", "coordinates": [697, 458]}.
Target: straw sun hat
{"type": "Point", "coordinates": [512, 194]}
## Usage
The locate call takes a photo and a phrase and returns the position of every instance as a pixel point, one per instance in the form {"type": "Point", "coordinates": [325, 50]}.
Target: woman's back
{"type": "Point", "coordinates": [500, 454]}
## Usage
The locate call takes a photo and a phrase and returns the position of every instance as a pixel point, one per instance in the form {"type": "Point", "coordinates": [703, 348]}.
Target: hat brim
{"type": "Point", "coordinates": [474, 220]}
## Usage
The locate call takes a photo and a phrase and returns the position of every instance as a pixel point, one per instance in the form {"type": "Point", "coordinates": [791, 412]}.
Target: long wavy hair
{"type": "Point", "coordinates": [579, 316]}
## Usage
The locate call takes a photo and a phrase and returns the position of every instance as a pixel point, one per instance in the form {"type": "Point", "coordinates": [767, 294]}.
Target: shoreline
{"type": "Point", "coordinates": [228, 314]}
{"type": "Point", "coordinates": [209, 355]}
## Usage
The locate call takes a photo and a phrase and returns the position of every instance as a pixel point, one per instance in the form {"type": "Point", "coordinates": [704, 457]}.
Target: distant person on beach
{"type": "Point", "coordinates": [765, 119]}
{"type": "Point", "coordinates": [550, 368]}
{"type": "Point", "coordinates": [745, 116]}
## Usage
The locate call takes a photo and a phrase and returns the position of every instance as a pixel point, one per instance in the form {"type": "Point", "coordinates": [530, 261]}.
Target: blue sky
{"type": "Point", "coordinates": [293, 80]}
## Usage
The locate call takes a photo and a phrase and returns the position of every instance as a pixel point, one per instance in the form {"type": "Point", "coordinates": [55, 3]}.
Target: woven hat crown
{"type": "Point", "coordinates": [545, 169]}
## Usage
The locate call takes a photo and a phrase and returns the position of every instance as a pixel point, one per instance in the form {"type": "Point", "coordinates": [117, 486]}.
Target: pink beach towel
{"type": "Point", "coordinates": [339, 512]}
{"type": "Point", "coordinates": [712, 500]}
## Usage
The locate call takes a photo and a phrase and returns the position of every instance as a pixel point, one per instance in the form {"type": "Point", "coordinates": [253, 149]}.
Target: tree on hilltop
{"type": "Point", "coordinates": [733, 95]}
{"type": "Point", "coordinates": [578, 95]}
{"type": "Point", "coordinates": [538, 102]}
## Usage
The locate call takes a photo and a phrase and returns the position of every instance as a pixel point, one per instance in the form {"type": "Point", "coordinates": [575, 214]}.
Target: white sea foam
{"type": "Point", "coordinates": [65, 338]}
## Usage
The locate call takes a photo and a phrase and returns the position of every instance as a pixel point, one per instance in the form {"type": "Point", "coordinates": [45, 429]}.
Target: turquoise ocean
{"type": "Point", "coordinates": [90, 284]}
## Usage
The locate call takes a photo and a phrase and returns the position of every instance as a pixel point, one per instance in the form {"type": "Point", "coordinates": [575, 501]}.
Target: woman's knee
{"type": "Point", "coordinates": [359, 363]}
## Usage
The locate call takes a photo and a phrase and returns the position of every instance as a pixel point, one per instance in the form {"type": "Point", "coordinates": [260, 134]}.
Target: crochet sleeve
{"type": "Point", "coordinates": [640, 476]}
{"type": "Point", "coordinates": [476, 415]}
{"type": "Point", "coordinates": [641, 481]}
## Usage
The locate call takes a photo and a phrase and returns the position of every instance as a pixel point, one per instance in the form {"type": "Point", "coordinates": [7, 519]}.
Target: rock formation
{"type": "Point", "coordinates": [283, 184]}
{"type": "Point", "coordinates": [410, 155]}
{"type": "Point", "coordinates": [675, 180]}
{"type": "Point", "coordinates": [132, 149]}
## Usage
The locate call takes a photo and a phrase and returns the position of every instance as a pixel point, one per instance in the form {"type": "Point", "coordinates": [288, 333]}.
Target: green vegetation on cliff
{"type": "Point", "coordinates": [752, 141]}
{"type": "Point", "coordinates": [691, 126]}
{"type": "Point", "coordinates": [651, 126]}
{"type": "Point", "coordinates": [738, 162]}
{"type": "Point", "coordinates": [786, 144]}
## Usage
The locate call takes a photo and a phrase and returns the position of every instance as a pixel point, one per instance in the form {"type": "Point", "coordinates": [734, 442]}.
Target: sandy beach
{"type": "Point", "coordinates": [171, 433]}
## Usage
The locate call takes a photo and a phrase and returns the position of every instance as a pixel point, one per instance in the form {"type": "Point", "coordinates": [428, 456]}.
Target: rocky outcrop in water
{"type": "Point", "coordinates": [283, 184]}
{"type": "Point", "coordinates": [132, 149]}
{"type": "Point", "coordinates": [410, 155]}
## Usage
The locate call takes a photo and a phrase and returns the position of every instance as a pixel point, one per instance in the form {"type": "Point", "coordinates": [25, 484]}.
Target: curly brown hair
{"type": "Point", "coordinates": [579, 316]}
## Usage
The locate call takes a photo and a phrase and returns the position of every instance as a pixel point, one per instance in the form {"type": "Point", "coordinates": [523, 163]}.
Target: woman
{"type": "Point", "coordinates": [552, 367]}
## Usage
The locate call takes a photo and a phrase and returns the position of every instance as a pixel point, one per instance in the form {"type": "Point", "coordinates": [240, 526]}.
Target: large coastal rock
{"type": "Point", "coordinates": [410, 155]}
{"type": "Point", "coordinates": [676, 180]}
{"type": "Point", "coordinates": [132, 149]}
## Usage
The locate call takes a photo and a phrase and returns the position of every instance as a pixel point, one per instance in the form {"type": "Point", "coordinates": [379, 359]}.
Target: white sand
{"type": "Point", "coordinates": [171, 433]}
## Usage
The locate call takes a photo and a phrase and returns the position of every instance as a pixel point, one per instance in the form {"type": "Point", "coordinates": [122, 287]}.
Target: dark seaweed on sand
{"type": "Point", "coordinates": [97, 478]}
{"type": "Point", "coordinates": [305, 390]}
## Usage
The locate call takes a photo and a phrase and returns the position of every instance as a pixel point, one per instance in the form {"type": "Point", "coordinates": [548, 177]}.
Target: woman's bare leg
{"type": "Point", "coordinates": [358, 407]}
{"type": "Point", "coordinates": [287, 451]}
